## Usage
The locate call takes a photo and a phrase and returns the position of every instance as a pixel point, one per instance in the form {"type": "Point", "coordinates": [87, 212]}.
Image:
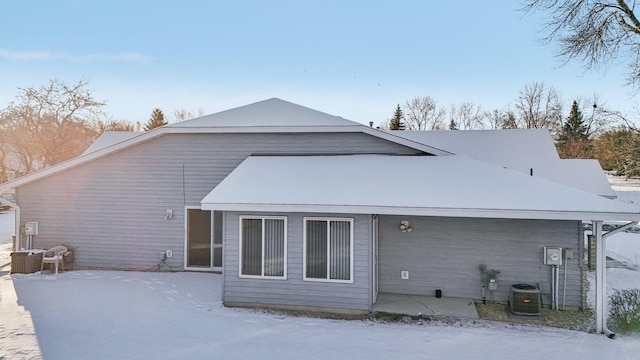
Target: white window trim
{"type": "Point", "coordinates": [304, 251]}
{"type": "Point", "coordinates": [259, 217]}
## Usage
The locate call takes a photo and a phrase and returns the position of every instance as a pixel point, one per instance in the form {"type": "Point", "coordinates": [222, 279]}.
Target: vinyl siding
{"type": "Point", "coordinates": [112, 209]}
{"type": "Point", "coordinates": [446, 253]}
{"type": "Point", "coordinates": [294, 291]}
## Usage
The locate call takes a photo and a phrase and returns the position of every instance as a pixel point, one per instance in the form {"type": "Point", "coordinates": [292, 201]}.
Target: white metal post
{"type": "Point", "coordinates": [601, 277]}
{"type": "Point", "coordinates": [19, 244]}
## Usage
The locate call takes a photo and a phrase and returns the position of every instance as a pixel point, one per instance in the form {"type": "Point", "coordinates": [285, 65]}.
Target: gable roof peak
{"type": "Point", "coordinates": [273, 112]}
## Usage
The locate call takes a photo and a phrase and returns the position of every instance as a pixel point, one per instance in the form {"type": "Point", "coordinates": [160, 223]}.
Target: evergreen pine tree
{"type": "Point", "coordinates": [396, 121]}
{"type": "Point", "coordinates": [573, 140]}
{"type": "Point", "coordinates": [574, 128]}
{"type": "Point", "coordinates": [453, 125]}
{"type": "Point", "coordinates": [156, 120]}
{"type": "Point", "coordinates": [509, 121]}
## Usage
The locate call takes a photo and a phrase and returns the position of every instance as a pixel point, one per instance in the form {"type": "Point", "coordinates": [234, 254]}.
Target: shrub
{"type": "Point", "coordinates": [624, 310]}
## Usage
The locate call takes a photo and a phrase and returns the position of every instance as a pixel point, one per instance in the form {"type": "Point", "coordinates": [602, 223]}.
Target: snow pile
{"type": "Point", "coordinates": [130, 315]}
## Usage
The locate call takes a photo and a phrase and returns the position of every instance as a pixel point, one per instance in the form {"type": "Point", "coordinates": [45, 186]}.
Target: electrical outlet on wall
{"type": "Point", "coordinates": [404, 275]}
{"type": "Point", "coordinates": [169, 253]}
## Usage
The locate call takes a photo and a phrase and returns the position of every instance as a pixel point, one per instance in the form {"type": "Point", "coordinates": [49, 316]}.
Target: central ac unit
{"type": "Point", "coordinates": [525, 299]}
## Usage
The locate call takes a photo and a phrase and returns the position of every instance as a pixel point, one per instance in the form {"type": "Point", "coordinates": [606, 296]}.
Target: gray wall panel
{"type": "Point", "coordinates": [445, 253]}
{"type": "Point", "coordinates": [113, 208]}
{"type": "Point", "coordinates": [294, 291]}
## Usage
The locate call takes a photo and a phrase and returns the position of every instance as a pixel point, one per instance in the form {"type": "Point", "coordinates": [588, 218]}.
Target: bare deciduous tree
{"type": "Point", "coordinates": [539, 107]}
{"type": "Point", "coordinates": [184, 114]}
{"type": "Point", "coordinates": [50, 124]}
{"type": "Point", "coordinates": [595, 32]}
{"type": "Point", "coordinates": [501, 119]}
{"type": "Point", "coordinates": [118, 125]}
{"type": "Point", "coordinates": [598, 116]}
{"type": "Point", "coordinates": [5, 151]}
{"type": "Point", "coordinates": [423, 113]}
{"type": "Point", "coordinates": [467, 116]}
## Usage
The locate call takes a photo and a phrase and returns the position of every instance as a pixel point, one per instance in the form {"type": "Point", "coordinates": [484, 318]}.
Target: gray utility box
{"type": "Point", "coordinates": [552, 255]}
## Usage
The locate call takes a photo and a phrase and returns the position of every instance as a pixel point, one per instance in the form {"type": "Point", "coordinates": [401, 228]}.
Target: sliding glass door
{"type": "Point", "coordinates": [203, 240]}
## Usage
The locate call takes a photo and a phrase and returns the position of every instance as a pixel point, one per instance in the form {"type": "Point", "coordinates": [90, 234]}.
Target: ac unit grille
{"type": "Point", "coordinates": [525, 299]}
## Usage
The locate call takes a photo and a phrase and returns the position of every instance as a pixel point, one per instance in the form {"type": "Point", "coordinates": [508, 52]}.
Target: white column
{"type": "Point", "coordinates": [601, 278]}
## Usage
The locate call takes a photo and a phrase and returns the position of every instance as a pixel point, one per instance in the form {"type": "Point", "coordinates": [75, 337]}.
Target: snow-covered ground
{"type": "Point", "coordinates": [131, 315]}
{"type": "Point", "coordinates": [625, 246]}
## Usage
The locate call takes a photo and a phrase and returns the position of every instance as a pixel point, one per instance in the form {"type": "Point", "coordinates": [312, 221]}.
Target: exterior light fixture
{"type": "Point", "coordinates": [404, 226]}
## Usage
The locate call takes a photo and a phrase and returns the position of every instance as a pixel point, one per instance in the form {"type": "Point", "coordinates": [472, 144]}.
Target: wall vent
{"type": "Point", "coordinates": [525, 299]}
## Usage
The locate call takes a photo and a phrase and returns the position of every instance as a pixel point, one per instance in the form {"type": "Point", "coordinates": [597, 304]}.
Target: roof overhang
{"type": "Point", "coordinates": [422, 211]}
{"type": "Point", "coordinates": [448, 186]}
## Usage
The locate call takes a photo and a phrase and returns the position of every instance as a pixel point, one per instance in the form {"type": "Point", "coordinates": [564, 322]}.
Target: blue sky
{"type": "Point", "coordinates": [356, 59]}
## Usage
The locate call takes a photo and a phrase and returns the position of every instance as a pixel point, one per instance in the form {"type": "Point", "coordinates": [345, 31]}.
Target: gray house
{"type": "Point", "coordinates": [301, 209]}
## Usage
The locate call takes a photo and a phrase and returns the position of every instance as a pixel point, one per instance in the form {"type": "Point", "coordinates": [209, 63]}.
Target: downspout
{"type": "Point", "coordinates": [17, 229]}
{"type": "Point", "coordinates": [17, 243]}
{"type": "Point", "coordinates": [601, 275]}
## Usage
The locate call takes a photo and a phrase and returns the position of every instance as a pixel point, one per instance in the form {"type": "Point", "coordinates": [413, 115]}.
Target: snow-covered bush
{"type": "Point", "coordinates": [624, 310]}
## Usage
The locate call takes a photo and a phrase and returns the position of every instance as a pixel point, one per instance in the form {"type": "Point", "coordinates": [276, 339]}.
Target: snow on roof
{"type": "Point", "coordinates": [404, 185]}
{"type": "Point", "coordinates": [507, 147]}
{"type": "Point", "coordinates": [523, 150]}
{"type": "Point", "coordinates": [583, 174]}
{"type": "Point", "coordinates": [109, 138]}
{"type": "Point", "coordinates": [273, 112]}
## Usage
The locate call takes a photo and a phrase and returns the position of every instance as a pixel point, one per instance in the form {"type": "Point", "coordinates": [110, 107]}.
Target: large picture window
{"type": "Point", "coordinates": [263, 247]}
{"type": "Point", "coordinates": [328, 249]}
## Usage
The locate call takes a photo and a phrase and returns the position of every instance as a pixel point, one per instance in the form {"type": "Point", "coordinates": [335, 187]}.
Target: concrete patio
{"type": "Point", "coordinates": [415, 305]}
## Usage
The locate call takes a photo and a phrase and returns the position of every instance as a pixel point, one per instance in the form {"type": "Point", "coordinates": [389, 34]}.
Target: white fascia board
{"type": "Point", "coordinates": [264, 129]}
{"type": "Point", "coordinates": [435, 212]}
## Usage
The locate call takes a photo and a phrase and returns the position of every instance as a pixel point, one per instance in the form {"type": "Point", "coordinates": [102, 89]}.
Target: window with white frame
{"type": "Point", "coordinates": [328, 249]}
{"type": "Point", "coordinates": [263, 246]}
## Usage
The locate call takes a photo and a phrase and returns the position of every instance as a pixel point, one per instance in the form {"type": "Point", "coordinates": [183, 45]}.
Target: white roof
{"type": "Point", "coordinates": [273, 112]}
{"type": "Point", "coordinates": [523, 150]}
{"type": "Point", "coordinates": [109, 138]}
{"type": "Point", "coordinates": [404, 185]}
{"type": "Point", "coordinates": [506, 147]}
{"type": "Point", "coordinates": [583, 174]}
